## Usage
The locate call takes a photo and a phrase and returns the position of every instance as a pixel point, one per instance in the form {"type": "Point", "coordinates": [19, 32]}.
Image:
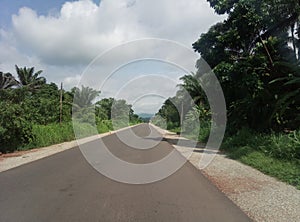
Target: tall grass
{"type": "Point", "coordinates": [276, 154]}
{"type": "Point", "coordinates": [277, 145]}
{"type": "Point", "coordinates": [46, 135]}
{"type": "Point", "coordinates": [104, 126]}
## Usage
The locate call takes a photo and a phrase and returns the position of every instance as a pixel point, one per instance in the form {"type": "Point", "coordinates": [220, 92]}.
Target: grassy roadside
{"type": "Point", "coordinates": [275, 154]}
{"type": "Point", "coordinates": [51, 134]}
{"type": "Point", "coordinates": [47, 135]}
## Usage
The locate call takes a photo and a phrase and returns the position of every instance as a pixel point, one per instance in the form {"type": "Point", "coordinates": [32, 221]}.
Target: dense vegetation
{"type": "Point", "coordinates": [255, 54]}
{"type": "Point", "coordinates": [32, 114]}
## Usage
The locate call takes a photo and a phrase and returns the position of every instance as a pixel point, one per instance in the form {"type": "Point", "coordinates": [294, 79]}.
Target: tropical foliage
{"type": "Point", "coordinates": [255, 54]}
{"type": "Point", "coordinates": [30, 111]}
{"type": "Point", "coordinates": [28, 78]}
{"type": "Point", "coordinates": [7, 81]}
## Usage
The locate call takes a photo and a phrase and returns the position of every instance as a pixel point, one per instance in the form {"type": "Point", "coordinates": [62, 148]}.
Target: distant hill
{"type": "Point", "coordinates": [146, 116]}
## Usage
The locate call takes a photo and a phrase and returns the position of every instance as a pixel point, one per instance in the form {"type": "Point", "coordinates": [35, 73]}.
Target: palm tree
{"type": "Point", "coordinates": [191, 83]}
{"type": "Point", "coordinates": [29, 79]}
{"type": "Point", "coordinates": [84, 97]}
{"type": "Point", "coordinates": [7, 81]}
{"type": "Point", "coordinates": [83, 109]}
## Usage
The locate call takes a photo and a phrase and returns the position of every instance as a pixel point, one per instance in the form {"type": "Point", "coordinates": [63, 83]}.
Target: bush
{"type": "Point", "coordinates": [15, 129]}
{"type": "Point", "coordinates": [204, 132]}
{"type": "Point", "coordinates": [278, 145]}
{"type": "Point", "coordinates": [104, 126]}
{"type": "Point", "coordinates": [46, 135]}
{"type": "Point", "coordinates": [171, 125]}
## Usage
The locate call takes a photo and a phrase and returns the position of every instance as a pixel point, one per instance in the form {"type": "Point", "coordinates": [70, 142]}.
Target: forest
{"type": "Point", "coordinates": [34, 113]}
{"type": "Point", "coordinates": [255, 54]}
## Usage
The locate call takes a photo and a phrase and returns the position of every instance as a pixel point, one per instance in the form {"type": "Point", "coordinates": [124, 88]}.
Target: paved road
{"type": "Point", "coordinates": [64, 187]}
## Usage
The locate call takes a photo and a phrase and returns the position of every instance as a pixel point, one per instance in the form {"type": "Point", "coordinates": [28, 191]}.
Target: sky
{"type": "Point", "coordinates": [62, 38]}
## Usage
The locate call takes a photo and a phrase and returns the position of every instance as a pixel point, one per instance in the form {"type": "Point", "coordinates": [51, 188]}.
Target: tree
{"type": "Point", "coordinates": [7, 81]}
{"type": "Point", "coordinates": [169, 113]}
{"type": "Point", "coordinates": [103, 108]}
{"type": "Point", "coordinates": [191, 84]}
{"type": "Point", "coordinates": [29, 79]}
{"type": "Point", "coordinates": [83, 108]}
{"type": "Point", "coordinates": [84, 97]}
{"type": "Point", "coordinates": [249, 52]}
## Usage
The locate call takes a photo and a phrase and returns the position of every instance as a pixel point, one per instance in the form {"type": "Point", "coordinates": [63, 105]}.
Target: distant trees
{"type": "Point", "coordinates": [170, 113]}
{"type": "Point", "coordinates": [31, 101]}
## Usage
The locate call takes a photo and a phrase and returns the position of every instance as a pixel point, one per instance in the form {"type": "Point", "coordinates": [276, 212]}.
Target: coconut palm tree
{"type": "Point", "coordinates": [7, 81]}
{"type": "Point", "coordinates": [28, 78]}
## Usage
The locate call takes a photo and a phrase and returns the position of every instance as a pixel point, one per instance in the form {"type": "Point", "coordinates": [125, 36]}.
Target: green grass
{"type": "Point", "coordinates": [287, 171]}
{"type": "Point", "coordinates": [176, 130]}
{"type": "Point", "coordinates": [274, 154]}
{"type": "Point", "coordinates": [200, 134]}
{"type": "Point", "coordinates": [104, 126]}
{"type": "Point", "coordinates": [47, 135]}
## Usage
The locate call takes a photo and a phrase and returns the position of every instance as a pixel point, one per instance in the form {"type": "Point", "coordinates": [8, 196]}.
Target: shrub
{"type": "Point", "coordinates": [104, 126]}
{"type": "Point", "coordinates": [15, 129]}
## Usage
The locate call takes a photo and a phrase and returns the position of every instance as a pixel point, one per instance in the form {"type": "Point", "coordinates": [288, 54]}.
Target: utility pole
{"type": "Point", "coordinates": [61, 100]}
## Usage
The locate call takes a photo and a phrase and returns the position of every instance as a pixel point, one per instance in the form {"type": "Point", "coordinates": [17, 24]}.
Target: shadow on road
{"type": "Point", "coordinates": [197, 146]}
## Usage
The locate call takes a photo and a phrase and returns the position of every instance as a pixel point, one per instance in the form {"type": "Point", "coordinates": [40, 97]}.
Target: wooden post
{"type": "Point", "coordinates": [181, 115]}
{"type": "Point", "coordinates": [61, 100]}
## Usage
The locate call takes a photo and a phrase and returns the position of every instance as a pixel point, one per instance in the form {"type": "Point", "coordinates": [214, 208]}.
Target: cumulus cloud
{"type": "Point", "coordinates": [63, 42]}
{"type": "Point", "coordinates": [83, 29]}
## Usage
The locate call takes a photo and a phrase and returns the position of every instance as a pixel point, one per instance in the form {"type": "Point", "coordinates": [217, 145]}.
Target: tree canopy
{"type": "Point", "coordinates": [254, 53]}
{"type": "Point", "coordinates": [31, 101]}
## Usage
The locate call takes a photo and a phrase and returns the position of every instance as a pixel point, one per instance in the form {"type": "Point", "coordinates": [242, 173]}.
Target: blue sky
{"type": "Point", "coordinates": [10, 7]}
{"type": "Point", "coordinates": [62, 37]}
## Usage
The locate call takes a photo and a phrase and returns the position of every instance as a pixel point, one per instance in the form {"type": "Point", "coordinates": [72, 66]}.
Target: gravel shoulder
{"type": "Point", "coordinates": [261, 197]}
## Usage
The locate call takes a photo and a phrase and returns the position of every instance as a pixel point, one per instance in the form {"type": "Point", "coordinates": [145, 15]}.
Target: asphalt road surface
{"type": "Point", "coordinates": [64, 187]}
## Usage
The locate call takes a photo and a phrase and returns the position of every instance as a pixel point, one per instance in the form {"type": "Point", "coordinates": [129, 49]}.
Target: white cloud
{"type": "Point", "coordinates": [63, 43]}
{"type": "Point", "coordinates": [83, 29]}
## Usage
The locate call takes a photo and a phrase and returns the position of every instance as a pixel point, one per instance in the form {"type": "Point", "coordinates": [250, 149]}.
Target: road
{"type": "Point", "coordinates": [64, 187]}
